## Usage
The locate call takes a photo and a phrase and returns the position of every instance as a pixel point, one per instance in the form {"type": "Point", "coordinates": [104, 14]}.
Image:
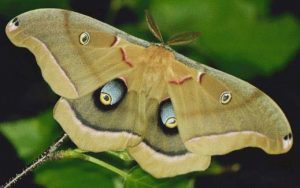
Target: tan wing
{"type": "Point", "coordinates": [76, 53]}
{"type": "Point", "coordinates": [218, 113]}
{"type": "Point", "coordinates": [161, 151]}
{"type": "Point", "coordinates": [133, 124]}
{"type": "Point", "coordinates": [77, 56]}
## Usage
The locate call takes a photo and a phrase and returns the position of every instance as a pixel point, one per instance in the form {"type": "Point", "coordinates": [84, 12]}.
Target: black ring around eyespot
{"type": "Point", "coordinates": [162, 126]}
{"type": "Point", "coordinates": [102, 107]}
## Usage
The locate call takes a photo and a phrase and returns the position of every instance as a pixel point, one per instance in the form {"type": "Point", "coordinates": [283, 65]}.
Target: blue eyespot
{"type": "Point", "coordinates": [110, 94]}
{"type": "Point", "coordinates": [167, 115]}
{"type": "Point", "coordinates": [167, 121]}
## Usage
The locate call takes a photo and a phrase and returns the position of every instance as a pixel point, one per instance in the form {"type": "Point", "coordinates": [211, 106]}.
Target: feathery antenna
{"type": "Point", "coordinates": [183, 38]}
{"type": "Point", "coordinates": [153, 26]}
{"type": "Point", "coordinates": [175, 40]}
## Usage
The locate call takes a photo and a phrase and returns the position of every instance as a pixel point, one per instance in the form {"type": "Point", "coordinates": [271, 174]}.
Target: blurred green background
{"type": "Point", "coordinates": [257, 40]}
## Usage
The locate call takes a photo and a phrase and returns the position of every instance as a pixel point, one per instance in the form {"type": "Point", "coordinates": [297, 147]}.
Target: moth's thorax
{"type": "Point", "coordinates": [156, 60]}
{"type": "Point", "coordinates": [158, 55]}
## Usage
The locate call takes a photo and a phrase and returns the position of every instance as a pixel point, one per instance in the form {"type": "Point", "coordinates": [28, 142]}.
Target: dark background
{"type": "Point", "coordinates": [24, 94]}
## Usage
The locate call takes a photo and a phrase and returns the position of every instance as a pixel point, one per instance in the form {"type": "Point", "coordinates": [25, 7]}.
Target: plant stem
{"type": "Point", "coordinates": [47, 155]}
{"type": "Point", "coordinates": [78, 154]}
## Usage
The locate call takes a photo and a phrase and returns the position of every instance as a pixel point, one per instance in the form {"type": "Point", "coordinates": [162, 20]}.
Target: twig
{"type": "Point", "coordinates": [47, 155]}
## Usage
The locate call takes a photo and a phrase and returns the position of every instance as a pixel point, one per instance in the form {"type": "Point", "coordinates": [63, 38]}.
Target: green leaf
{"type": "Point", "coordinates": [74, 173]}
{"type": "Point", "coordinates": [138, 178]}
{"type": "Point", "coordinates": [238, 36]}
{"type": "Point", "coordinates": [11, 8]}
{"type": "Point", "coordinates": [31, 136]}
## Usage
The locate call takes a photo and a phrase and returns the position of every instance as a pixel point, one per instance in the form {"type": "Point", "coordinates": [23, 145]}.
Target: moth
{"type": "Point", "coordinates": [119, 92]}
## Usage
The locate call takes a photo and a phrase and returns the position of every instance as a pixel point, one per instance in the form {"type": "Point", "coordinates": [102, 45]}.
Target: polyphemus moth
{"type": "Point", "coordinates": [119, 92]}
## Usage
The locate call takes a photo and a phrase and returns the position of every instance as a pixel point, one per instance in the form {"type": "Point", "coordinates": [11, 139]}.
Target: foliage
{"type": "Point", "coordinates": [38, 131]}
{"type": "Point", "coordinates": [73, 174]}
